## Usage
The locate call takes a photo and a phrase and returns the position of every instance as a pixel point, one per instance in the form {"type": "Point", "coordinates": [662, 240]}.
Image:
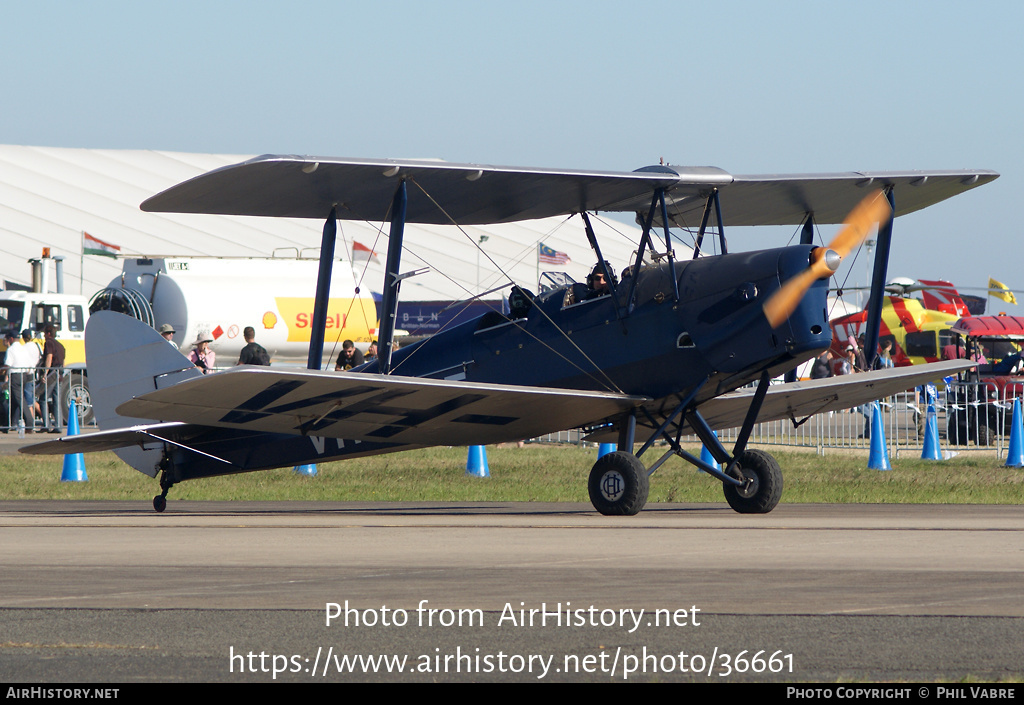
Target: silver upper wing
{"type": "Point", "coordinates": [443, 192]}
{"type": "Point", "coordinates": [786, 199]}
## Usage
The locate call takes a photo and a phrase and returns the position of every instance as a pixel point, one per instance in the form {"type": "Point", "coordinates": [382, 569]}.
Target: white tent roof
{"type": "Point", "coordinates": [50, 196]}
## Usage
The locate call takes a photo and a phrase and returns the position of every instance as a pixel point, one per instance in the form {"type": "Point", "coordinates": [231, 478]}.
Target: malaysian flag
{"type": "Point", "coordinates": [548, 256]}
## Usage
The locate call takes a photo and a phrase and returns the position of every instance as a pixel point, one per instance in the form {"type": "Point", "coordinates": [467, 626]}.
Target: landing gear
{"type": "Point", "coordinates": [752, 481]}
{"type": "Point", "coordinates": [618, 484]}
{"type": "Point", "coordinates": [160, 501]}
{"type": "Point", "coordinates": [762, 487]}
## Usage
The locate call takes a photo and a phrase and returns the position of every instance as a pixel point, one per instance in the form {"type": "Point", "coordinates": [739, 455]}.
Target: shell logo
{"type": "Point", "coordinates": [269, 320]}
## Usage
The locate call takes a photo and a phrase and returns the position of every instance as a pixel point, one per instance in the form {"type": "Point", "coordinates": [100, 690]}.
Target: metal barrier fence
{"type": "Point", "coordinates": [969, 417]}
{"type": "Point", "coordinates": [40, 399]}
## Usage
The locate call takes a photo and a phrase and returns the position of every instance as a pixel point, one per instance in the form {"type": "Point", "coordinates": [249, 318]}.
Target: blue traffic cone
{"type": "Point", "coordinates": [931, 449]}
{"type": "Point", "coordinates": [1015, 454]}
{"type": "Point", "coordinates": [476, 462]}
{"type": "Point", "coordinates": [878, 457]}
{"type": "Point", "coordinates": [606, 448]}
{"type": "Point", "coordinates": [707, 457]}
{"type": "Point", "coordinates": [74, 463]}
{"type": "Point", "coordinates": [308, 470]}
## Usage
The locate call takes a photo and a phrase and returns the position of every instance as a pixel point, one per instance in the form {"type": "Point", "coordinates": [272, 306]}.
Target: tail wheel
{"type": "Point", "coordinates": [618, 484]}
{"type": "Point", "coordinates": [762, 488]}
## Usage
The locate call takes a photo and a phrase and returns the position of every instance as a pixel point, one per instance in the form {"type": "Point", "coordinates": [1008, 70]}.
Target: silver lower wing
{"type": "Point", "coordinates": [798, 400]}
{"type": "Point", "coordinates": [174, 433]}
{"type": "Point", "coordinates": [375, 407]}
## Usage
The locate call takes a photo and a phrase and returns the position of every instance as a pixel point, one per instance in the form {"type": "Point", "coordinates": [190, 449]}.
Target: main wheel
{"type": "Point", "coordinates": [763, 487]}
{"type": "Point", "coordinates": [618, 484]}
{"type": "Point", "coordinates": [159, 503]}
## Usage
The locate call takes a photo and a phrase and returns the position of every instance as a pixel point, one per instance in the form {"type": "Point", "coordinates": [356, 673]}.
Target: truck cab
{"type": "Point", "coordinates": [33, 311]}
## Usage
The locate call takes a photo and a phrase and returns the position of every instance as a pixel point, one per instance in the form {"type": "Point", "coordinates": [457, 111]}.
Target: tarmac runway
{"type": "Point", "coordinates": [218, 591]}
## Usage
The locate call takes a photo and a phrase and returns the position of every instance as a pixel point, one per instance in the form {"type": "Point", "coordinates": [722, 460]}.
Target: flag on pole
{"type": "Point", "coordinates": [546, 255]}
{"type": "Point", "coordinates": [94, 246]}
{"type": "Point", "coordinates": [1000, 291]}
{"type": "Point", "coordinates": [362, 253]}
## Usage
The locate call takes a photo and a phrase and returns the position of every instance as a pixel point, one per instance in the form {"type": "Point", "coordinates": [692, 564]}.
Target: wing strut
{"type": "Point", "coordinates": [602, 263]}
{"type": "Point", "coordinates": [323, 292]}
{"type": "Point", "coordinates": [645, 238]}
{"type": "Point", "coordinates": [806, 238]}
{"type": "Point", "coordinates": [712, 202]}
{"type": "Point", "coordinates": [668, 245]}
{"type": "Point", "coordinates": [874, 321]}
{"type": "Point", "coordinates": [392, 280]}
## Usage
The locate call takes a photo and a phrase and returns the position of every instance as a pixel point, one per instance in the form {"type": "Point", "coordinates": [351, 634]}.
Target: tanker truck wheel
{"type": "Point", "coordinates": [76, 387]}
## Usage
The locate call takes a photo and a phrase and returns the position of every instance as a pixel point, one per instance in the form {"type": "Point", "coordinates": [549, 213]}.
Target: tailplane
{"type": "Point", "coordinates": [126, 358]}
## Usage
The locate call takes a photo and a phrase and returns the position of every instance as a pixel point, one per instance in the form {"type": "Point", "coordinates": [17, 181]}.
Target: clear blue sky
{"type": "Point", "coordinates": [752, 87]}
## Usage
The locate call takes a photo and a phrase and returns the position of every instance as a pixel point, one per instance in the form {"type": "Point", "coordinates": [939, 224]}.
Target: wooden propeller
{"type": "Point", "coordinates": [873, 210]}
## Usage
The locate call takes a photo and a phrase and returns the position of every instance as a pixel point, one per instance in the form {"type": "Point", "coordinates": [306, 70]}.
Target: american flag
{"type": "Point", "coordinates": [548, 256]}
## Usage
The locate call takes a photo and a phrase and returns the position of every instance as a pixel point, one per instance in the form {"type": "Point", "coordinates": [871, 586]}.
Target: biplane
{"type": "Point", "coordinates": [675, 346]}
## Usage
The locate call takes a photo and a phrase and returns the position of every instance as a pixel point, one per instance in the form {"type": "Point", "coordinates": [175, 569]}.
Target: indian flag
{"type": "Point", "coordinates": [362, 253]}
{"type": "Point", "coordinates": [94, 246]}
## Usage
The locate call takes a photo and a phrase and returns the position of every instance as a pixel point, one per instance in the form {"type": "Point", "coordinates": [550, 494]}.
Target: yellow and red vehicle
{"type": "Point", "coordinates": [919, 328]}
{"type": "Point", "coordinates": [918, 333]}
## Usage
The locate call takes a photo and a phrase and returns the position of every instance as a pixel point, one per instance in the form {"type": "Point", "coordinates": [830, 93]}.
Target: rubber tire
{"type": "Point", "coordinates": [983, 435]}
{"type": "Point", "coordinates": [159, 503]}
{"type": "Point", "coordinates": [78, 387]}
{"type": "Point", "coordinates": [629, 484]}
{"type": "Point", "coordinates": [765, 491]}
{"type": "Point", "coordinates": [956, 429]}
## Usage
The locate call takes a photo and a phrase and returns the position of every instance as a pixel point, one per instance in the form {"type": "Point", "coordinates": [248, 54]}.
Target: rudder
{"type": "Point", "coordinates": [127, 358]}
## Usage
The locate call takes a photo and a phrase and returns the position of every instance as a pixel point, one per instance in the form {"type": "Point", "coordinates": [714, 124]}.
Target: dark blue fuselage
{"type": "Point", "coordinates": [660, 348]}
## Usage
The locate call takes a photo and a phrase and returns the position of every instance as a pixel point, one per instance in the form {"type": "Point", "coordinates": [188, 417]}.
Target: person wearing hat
{"type": "Point", "coordinates": [167, 331]}
{"type": "Point", "coordinates": [201, 356]}
{"type": "Point", "coordinates": [847, 362]}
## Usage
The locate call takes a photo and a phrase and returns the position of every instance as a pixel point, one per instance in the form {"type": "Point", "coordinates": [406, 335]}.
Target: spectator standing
{"type": "Point", "coordinates": [253, 353]}
{"type": "Point", "coordinates": [201, 355]}
{"type": "Point", "coordinates": [52, 364]}
{"type": "Point", "coordinates": [22, 359]}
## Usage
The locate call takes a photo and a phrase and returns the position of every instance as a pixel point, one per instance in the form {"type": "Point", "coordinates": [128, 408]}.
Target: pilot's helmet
{"type": "Point", "coordinates": [519, 302]}
{"type": "Point", "coordinates": [598, 270]}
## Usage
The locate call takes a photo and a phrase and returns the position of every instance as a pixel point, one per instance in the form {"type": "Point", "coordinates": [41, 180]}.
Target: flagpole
{"type": "Point", "coordinates": [538, 266]}
{"type": "Point", "coordinates": [81, 268]}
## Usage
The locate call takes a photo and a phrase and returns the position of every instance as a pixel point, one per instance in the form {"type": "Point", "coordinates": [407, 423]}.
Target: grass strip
{"type": "Point", "coordinates": [535, 473]}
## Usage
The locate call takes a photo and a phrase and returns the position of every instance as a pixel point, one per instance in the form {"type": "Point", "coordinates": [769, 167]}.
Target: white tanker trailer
{"type": "Point", "coordinates": [218, 296]}
{"type": "Point", "coordinates": [222, 296]}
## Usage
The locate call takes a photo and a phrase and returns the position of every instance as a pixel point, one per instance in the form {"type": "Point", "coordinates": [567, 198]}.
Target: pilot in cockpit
{"type": "Point", "coordinates": [597, 284]}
